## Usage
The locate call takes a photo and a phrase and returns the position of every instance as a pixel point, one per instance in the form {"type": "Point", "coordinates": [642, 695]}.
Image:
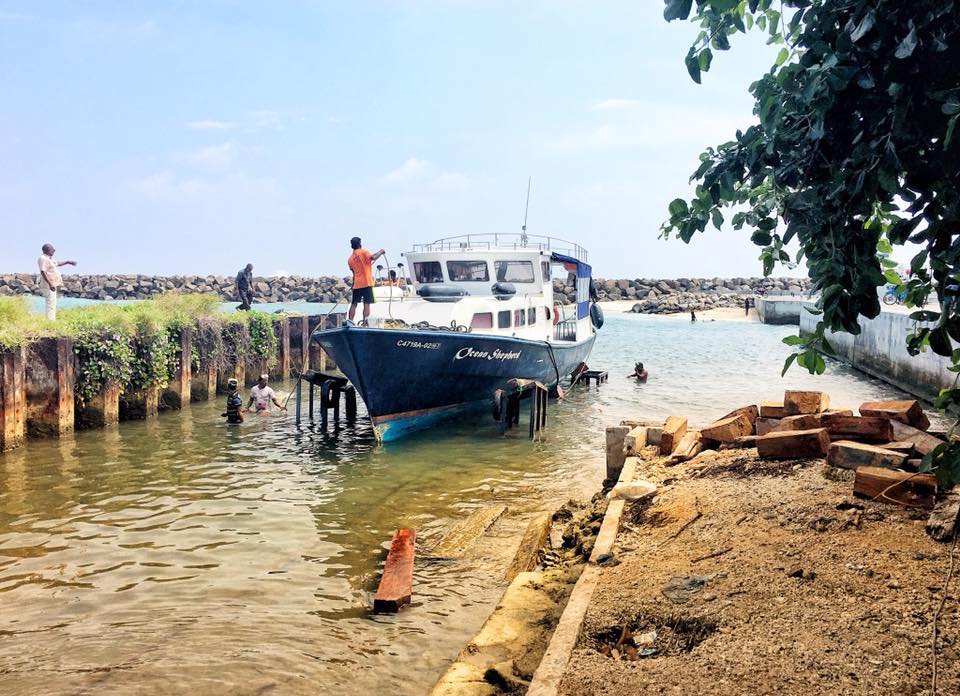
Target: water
{"type": "Point", "coordinates": [182, 555]}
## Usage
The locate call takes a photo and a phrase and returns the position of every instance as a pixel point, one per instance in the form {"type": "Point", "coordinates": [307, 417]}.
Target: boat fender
{"type": "Point", "coordinates": [556, 312]}
{"type": "Point", "coordinates": [596, 316]}
{"type": "Point", "coordinates": [503, 291]}
{"type": "Point", "coordinates": [437, 292]}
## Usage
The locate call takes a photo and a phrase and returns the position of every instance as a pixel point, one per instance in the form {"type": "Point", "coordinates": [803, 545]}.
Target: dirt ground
{"type": "Point", "coordinates": [812, 590]}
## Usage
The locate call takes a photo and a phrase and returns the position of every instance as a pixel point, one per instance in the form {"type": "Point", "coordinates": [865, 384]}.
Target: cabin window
{"type": "Point", "coordinates": [482, 320]}
{"type": "Point", "coordinates": [503, 319]}
{"type": "Point", "coordinates": [532, 315]}
{"type": "Point", "coordinates": [519, 317]}
{"type": "Point", "coordinates": [545, 267]}
{"type": "Point", "coordinates": [466, 271]}
{"type": "Point", "coordinates": [514, 271]}
{"type": "Point", "coordinates": [428, 271]}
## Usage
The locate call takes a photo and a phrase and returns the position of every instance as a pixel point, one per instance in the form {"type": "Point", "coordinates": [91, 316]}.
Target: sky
{"type": "Point", "coordinates": [186, 137]}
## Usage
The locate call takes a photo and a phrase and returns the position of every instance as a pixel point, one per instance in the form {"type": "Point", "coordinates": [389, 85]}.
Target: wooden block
{"type": "Point", "coordinates": [751, 412]}
{"type": "Point", "coordinates": [772, 409]}
{"type": "Point", "coordinates": [728, 429]}
{"type": "Point", "coordinates": [794, 444]}
{"type": "Point", "coordinates": [396, 583]}
{"type": "Point", "coordinates": [765, 426]}
{"type": "Point", "coordinates": [903, 447]}
{"type": "Point", "coordinates": [674, 429]}
{"type": "Point", "coordinates": [907, 411]}
{"type": "Point", "coordinates": [914, 490]}
{"type": "Point", "coordinates": [838, 412]}
{"type": "Point", "coordinates": [635, 441]}
{"type": "Point", "coordinates": [744, 442]}
{"type": "Point", "coordinates": [852, 455]}
{"type": "Point", "coordinates": [923, 442]}
{"type": "Point", "coordinates": [943, 520]}
{"type": "Point", "coordinates": [858, 428]}
{"type": "Point", "coordinates": [809, 421]}
{"type": "Point", "coordinates": [798, 402]}
{"type": "Point", "coordinates": [534, 538]}
{"type": "Point", "coordinates": [689, 447]}
{"type": "Point", "coordinates": [615, 456]}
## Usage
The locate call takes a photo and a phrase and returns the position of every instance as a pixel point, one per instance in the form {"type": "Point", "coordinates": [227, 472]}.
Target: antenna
{"type": "Point", "coordinates": [526, 210]}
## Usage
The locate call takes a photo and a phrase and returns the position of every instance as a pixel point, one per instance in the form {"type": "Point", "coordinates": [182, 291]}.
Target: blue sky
{"type": "Point", "coordinates": [191, 137]}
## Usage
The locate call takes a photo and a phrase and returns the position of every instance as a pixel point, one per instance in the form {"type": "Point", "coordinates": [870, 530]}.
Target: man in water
{"type": "Point", "coordinates": [639, 373]}
{"type": "Point", "coordinates": [361, 263]}
{"type": "Point", "coordinates": [245, 286]}
{"type": "Point", "coordinates": [261, 395]}
{"type": "Point", "coordinates": [234, 412]}
{"type": "Point", "coordinates": [693, 316]}
{"type": "Point", "coordinates": [50, 280]}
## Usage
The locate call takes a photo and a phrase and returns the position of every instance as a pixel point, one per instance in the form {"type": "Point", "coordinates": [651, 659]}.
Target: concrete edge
{"type": "Point", "coordinates": [546, 680]}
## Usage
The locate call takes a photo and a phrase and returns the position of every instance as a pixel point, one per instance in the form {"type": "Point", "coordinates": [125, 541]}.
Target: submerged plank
{"type": "Point", "coordinates": [396, 583]}
{"type": "Point", "coordinates": [455, 542]}
{"type": "Point", "coordinates": [528, 551]}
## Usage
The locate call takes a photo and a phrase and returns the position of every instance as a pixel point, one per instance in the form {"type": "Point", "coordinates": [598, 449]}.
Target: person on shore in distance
{"type": "Point", "coordinates": [693, 315]}
{"type": "Point", "coordinates": [361, 263]}
{"type": "Point", "coordinates": [746, 305]}
{"type": "Point", "coordinates": [639, 373]}
{"type": "Point", "coordinates": [245, 286]}
{"type": "Point", "coordinates": [261, 395]}
{"type": "Point", "coordinates": [234, 412]}
{"type": "Point", "coordinates": [50, 280]}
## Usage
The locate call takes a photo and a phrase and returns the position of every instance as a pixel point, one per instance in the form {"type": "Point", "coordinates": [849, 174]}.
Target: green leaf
{"type": "Point", "coordinates": [704, 59]}
{"type": "Point", "coordinates": [787, 363]}
{"type": "Point", "coordinates": [761, 238]}
{"type": "Point", "coordinates": [907, 46]}
{"type": "Point", "coordinates": [940, 342]}
{"type": "Point", "coordinates": [782, 56]}
{"type": "Point", "coordinates": [793, 340]}
{"type": "Point", "coordinates": [892, 277]}
{"type": "Point", "coordinates": [693, 67]}
{"type": "Point", "coordinates": [678, 206]}
{"type": "Point", "coordinates": [677, 9]}
{"type": "Point", "coordinates": [866, 24]}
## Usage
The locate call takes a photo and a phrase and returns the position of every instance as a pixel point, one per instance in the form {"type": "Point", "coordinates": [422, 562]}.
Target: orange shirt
{"type": "Point", "coordinates": [361, 263]}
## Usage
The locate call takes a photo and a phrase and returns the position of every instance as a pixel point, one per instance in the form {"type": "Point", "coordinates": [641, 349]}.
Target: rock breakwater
{"type": "Point", "coordinates": [652, 295]}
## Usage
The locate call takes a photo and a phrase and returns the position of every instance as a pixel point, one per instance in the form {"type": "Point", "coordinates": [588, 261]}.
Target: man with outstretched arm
{"type": "Point", "coordinates": [361, 263]}
{"type": "Point", "coordinates": [50, 280]}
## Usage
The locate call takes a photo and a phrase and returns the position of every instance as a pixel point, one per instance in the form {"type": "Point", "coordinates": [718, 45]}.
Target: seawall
{"type": "Point", "coordinates": [652, 295]}
{"type": "Point", "coordinates": [880, 350]}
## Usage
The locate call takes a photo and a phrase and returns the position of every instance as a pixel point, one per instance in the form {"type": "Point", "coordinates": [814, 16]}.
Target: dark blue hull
{"type": "Point", "coordinates": [411, 379]}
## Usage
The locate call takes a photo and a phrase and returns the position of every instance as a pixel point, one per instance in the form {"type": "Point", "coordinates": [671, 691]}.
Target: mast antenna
{"type": "Point", "coordinates": [526, 210]}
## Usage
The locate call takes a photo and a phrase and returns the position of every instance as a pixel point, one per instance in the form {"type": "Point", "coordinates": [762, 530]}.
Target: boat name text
{"type": "Point", "coordinates": [496, 354]}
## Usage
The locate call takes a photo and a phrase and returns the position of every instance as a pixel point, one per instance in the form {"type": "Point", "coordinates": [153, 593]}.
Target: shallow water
{"type": "Point", "coordinates": [180, 554]}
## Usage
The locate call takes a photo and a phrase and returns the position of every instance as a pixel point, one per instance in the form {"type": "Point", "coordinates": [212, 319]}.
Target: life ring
{"type": "Point", "coordinates": [556, 312]}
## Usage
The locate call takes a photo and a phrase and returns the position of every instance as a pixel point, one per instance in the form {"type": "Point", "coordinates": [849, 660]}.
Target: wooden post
{"type": "Point", "coordinates": [534, 400]}
{"type": "Point", "coordinates": [350, 400]}
{"type": "Point", "coordinates": [297, 395]}
{"type": "Point", "coordinates": [49, 387]}
{"type": "Point", "coordinates": [317, 358]}
{"type": "Point", "coordinates": [310, 401]}
{"type": "Point", "coordinates": [13, 398]}
{"type": "Point", "coordinates": [335, 403]}
{"type": "Point", "coordinates": [178, 393]}
{"type": "Point", "coordinates": [281, 368]}
{"type": "Point", "coordinates": [101, 409]}
{"type": "Point", "coordinates": [503, 413]}
{"type": "Point", "coordinates": [299, 343]}
{"type": "Point", "coordinates": [139, 404]}
{"type": "Point", "coordinates": [396, 583]}
{"type": "Point", "coordinates": [203, 384]}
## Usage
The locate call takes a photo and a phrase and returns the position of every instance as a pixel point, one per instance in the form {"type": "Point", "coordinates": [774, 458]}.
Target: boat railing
{"type": "Point", "coordinates": [565, 330]}
{"type": "Point", "coordinates": [510, 240]}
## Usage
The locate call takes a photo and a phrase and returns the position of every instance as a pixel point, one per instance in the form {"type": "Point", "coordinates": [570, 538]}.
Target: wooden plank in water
{"type": "Point", "coordinates": [455, 542]}
{"type": "Point", "coordinates": [396, 583]}
{"type": "Point", "coordinates": [533, 540]}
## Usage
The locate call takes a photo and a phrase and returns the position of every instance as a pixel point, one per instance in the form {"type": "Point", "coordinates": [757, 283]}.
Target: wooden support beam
{"type": "Point", "coordinates": [794, 444]}
{"type": "Point", "coordinates": [905, 411]}
{"type": "Point", "coordinates": [797, 402]}
{"type": "Point", "coordinates": [913, 490]}
{"type": "Point", "coordinates": [396, 584]}
{"type": "Point", "coordinates": [49, 383]}
{"type": "Point", "coordinates": [281, 367]}
{"type": "Point", "coordinates": [852, 455]}
{"type": "Point", "coordinates": [674, 429]}
{"type": "Point", "coordinates": [858, 427]}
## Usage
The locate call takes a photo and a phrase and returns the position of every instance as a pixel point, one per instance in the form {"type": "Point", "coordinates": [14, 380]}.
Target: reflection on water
{"type": "Point", "coordinates": [181, 554]}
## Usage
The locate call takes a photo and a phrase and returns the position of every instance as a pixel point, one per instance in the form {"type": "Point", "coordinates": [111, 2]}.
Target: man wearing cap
{"type": "Point", "coordinates": [261, 395]}
{"type": "Point", "coordinates": [234, 412]}
{"type": "Point", "coordinates": [50, 280]}
{"type": "Point", "coordinates": [361, 263]}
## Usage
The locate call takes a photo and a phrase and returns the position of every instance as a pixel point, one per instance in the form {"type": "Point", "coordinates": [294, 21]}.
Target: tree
{"type": "Point", "coordinates": [854, 152]}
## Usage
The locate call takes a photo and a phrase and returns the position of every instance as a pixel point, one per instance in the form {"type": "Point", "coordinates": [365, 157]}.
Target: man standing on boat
{"type": "Point", "coordinates": [50, 280]}
{"type": "Point", "coordinates": [361, 263]}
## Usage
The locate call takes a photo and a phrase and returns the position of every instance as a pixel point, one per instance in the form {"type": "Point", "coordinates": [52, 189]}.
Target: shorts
{"type": "Point", "coordinates": [364, 295]}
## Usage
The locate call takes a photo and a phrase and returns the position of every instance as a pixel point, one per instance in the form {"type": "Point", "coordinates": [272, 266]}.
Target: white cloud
{"type": "Point", "coordinates": [168, 185]}
{"type": "Point", "coordinates": [334, 120]}
{"type": "Point", "coordinates": [218, 156]}
{"type": "Point", "coordinates": [210, 124]}
{"type": "Point", "coordinates": [266, 118]}
{"type": "Point", "coordinates": [409, 170]}
{"type": "Point", "coordinates": [615, 104]}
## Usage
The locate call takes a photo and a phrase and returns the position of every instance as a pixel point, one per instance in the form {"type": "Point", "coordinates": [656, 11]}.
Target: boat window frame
{"type": "Point", "coordinates": [418, 266]}
{"type": "Point", "coordinates": [472, 262]}
{"type": "Point", "coordinates": [531, 316]}
{"type": "Point", "coordinates": [519, 317]}
{"type": "Point", "coordinates": [500, 316]}
{"type": "Point", "coordinates": [507, 263]}
{"type": "Point", "coordinates": [489, 320]}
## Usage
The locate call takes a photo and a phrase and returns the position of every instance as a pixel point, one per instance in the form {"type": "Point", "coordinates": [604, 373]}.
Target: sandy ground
{"type": "Point", "coordinates": [813, 591]}
{"type": "Point", "coordinates": [724, 313]}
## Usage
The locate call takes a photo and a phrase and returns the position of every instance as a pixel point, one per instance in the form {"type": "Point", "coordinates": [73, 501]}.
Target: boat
{"type": "Point", "coordinates": [477, 312]}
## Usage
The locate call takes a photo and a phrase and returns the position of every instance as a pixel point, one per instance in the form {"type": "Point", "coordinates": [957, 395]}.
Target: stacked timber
{"type": "Point", "coordinates": [882, 445]}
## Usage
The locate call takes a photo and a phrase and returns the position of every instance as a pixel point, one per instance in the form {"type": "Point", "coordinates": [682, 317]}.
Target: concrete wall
{"type": "Point", "coordinates": [880, 350]}
{"type": "Point", "coordinates": [773, 310]}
